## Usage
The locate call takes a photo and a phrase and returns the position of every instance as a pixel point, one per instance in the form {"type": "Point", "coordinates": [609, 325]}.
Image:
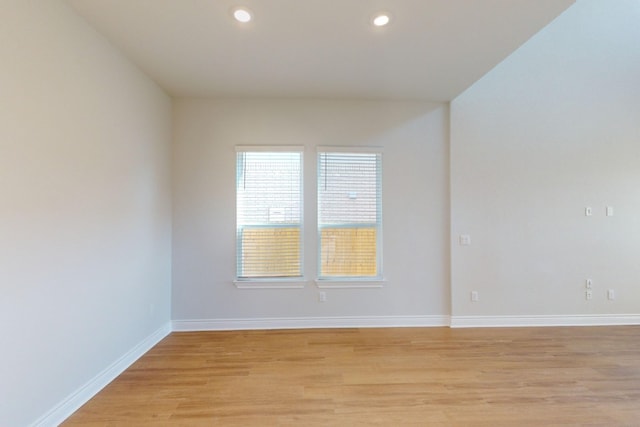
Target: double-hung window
{"type": "Point", "coordinates": [349, 214]}
{"type": "Point", "coordinates": [268, 213]}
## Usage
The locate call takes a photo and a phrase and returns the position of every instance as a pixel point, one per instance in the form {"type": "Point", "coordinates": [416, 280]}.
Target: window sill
{"type": "Point", "coordinates": [270, 284]}
{"type": "Point", "coordinates": [349, 283]}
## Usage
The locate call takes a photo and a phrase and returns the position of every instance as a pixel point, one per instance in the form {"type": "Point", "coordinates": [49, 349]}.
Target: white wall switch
{"type": "Point", "coordinates": [475, 297]}
{"type": "Point", "coordinates": [465, 240]}
{"type": "Point", "coordinates": [322, 296]}
{"type": "Point", "coordinates": [611, 294]}
{"type": "Point", "coordinates": [609, 210]}
{"type": "Point", "coordinates": [588, 211]}
{"type": "Point", "coordinates": [588, 284]}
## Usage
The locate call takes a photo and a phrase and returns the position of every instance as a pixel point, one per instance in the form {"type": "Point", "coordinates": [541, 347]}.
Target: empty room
{"type": "Point", "coordinates": [319, 212]}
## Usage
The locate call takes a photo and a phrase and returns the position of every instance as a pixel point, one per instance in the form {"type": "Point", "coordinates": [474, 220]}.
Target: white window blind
{"type": "Point", "coordinates": [268, 213]}
{"type": "Point", "coordinates": [349, 214]}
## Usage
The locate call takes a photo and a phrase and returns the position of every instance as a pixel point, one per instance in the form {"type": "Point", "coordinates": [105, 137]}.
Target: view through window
{"type": "Point", "coordinates": [349, 214]}
{"type": "Point", "coordinates": [268, 214]}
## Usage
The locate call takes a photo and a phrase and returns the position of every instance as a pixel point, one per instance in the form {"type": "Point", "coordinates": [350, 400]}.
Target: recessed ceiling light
{"type": "Point", "coordinates": [242, 14]}
{"type": "Point", "coordinates": [381, 19]}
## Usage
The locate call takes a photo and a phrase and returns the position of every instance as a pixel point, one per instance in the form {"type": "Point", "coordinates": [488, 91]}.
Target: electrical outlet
{"type": "Point", "coordinates": [588, 295]}
{"type": "Point", "coordinates": [322, 296]}
{"type": "Point", "coordinates": [475, 296]}
{"type": "Point", "coordinates": [611, 294]}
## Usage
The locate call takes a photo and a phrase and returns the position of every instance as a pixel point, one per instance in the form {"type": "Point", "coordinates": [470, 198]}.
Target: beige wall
{"type": "Point", "coordinates": [84, 207]}
{"type": "Point", "coordinates": [551, 130]}
{"type": "Point", "coordinates": [415, 205]}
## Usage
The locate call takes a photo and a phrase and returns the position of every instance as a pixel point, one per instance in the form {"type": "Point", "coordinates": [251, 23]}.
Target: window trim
{"type": "Point", "coordinates": [267, 283]}
{"type": "Point", "coordinates": [350, 283]}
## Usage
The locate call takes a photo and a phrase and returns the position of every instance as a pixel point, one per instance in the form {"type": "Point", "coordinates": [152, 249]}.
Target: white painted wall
{"type": "Point", "coordinates": [551, 130]}
{"type": "Point", "coordinates": [84, 207]}
{"type": "Point", "coordinates": [415, 205]}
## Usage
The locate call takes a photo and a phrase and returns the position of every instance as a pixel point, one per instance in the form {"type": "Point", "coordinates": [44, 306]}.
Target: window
{"type": "Point", "coordinates": [349, 214]}
{"type": "Point", "coordinates": [268, 212]}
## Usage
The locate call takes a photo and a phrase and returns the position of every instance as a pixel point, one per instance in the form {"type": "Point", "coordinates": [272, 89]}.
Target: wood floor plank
{"type": "Point", "coordinates": [586, 376]}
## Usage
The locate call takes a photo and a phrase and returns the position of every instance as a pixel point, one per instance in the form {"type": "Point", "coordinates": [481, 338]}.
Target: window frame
{"type": "Point", "coordinates": [275, 282]}
{"type": "Point", "coordinates": [349, 281]}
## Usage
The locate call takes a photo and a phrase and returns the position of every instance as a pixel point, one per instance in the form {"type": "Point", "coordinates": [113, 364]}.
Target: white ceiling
{"type": "Point", "coordinates": [433, 49]}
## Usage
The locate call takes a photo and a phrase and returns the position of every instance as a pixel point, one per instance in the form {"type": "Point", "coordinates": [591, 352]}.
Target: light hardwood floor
{"type": "Point", "coordinates": [582, 376]}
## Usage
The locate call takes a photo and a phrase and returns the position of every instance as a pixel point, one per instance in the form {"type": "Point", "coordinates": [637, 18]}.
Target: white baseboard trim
{"type": "Point", "coordinates": [551, 320]}
{"type": "Point", "coordinates": [310, 322]}
{"type": "Point", "coordinates": [405, 321]}
{"type": "Point", "coordinates": [74, 401]}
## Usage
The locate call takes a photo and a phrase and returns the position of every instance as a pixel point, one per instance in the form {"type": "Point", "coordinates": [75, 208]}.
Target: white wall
{"type": "Point", "coordinates": [415, 205]}
{"type": "Point", "coordinates": [84, 207]}
{"type": "Point", "coordinates": [551, 130]}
